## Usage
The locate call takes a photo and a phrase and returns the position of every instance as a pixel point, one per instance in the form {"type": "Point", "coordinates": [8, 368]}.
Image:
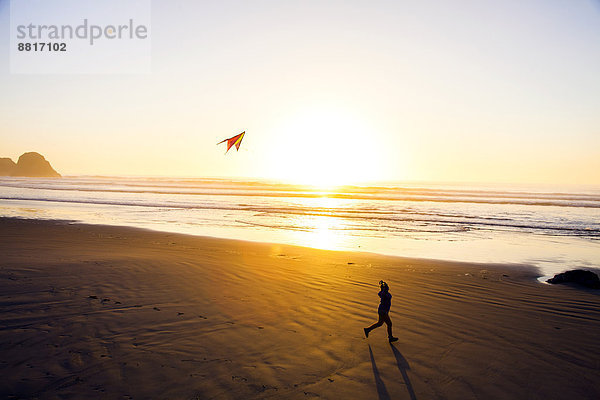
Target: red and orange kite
{"type": "Point", "coordinates": [236, 140]}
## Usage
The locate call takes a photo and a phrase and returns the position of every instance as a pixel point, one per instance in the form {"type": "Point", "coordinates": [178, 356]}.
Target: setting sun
{"type": "Point", "coordinates": [326, 147]}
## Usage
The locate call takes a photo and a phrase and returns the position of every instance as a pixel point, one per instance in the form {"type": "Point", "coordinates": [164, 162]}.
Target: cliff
{"type": "Point", "coordinates": [29, 164]}
{"type": "Point", "coordinates": [7, 166]}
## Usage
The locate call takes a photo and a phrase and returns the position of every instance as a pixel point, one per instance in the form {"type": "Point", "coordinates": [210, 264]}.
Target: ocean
{"type": "Point", "coordinates": [550, 227]}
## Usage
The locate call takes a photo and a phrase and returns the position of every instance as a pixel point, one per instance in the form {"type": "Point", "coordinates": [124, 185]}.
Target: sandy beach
{"type": "Point", "coordinates": [120, 313]}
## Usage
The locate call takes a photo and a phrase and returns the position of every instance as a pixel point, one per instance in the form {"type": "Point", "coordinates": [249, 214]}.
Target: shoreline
{"type": "Point", "coordinates": [532, 271]}
{"type": "Point", "coordinates": [93, 311]}
{"type": "Point", "coordinates": [472, 234]}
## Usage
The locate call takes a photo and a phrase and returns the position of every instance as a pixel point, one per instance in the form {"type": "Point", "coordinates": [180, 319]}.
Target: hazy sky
{"type": "Point", "coordinates": [330, 92]}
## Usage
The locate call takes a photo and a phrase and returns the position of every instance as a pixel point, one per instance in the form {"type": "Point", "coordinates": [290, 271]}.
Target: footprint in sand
{"type": "Point", "coordinates": [311, 394]}
{"type": "Point", "coordinates": [262, 388]}
{"type": "Point", "coordinates": [288, 257]}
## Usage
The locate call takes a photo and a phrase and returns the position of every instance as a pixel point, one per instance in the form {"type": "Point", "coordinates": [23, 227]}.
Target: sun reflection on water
{"type": "Point", "coordinates": [322, 231]}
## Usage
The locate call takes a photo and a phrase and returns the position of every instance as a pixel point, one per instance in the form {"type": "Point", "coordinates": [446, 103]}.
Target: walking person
{"type": "Point", "coordinates": [384, 312]}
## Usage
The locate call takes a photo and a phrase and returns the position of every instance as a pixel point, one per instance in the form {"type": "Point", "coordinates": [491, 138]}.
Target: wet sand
{"type": "Point", "coordinates": [119, 313]}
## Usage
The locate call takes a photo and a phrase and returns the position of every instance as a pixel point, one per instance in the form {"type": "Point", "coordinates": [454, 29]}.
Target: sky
{"type": "Point", "coordinates": [330, 92]}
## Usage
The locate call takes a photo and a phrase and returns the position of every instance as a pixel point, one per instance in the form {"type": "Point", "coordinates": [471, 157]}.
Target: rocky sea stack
{"type": "Point", "coordinates": [7, 166]}
{"type": "Point", "coordinates": [30, 164]}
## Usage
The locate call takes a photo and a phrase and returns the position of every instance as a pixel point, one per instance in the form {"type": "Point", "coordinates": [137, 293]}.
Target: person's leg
{"type": "Point", "coordinates": [388, 322]}
{"type": "Point", "coordinates": [375, 325]}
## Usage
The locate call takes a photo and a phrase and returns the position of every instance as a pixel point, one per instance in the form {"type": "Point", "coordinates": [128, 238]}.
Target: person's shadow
{"type": "Point", "coordinates": [402, 365]}
{"type": "Point", "coordinates": [381, 389]}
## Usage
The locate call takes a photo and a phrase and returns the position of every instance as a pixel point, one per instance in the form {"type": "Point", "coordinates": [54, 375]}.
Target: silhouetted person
{"type": "Point", "coordinates": [384, 312]}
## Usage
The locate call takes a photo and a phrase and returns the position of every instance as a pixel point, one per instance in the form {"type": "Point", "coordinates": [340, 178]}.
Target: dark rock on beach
{"type": "Point", "coordinates": [579, 276]}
